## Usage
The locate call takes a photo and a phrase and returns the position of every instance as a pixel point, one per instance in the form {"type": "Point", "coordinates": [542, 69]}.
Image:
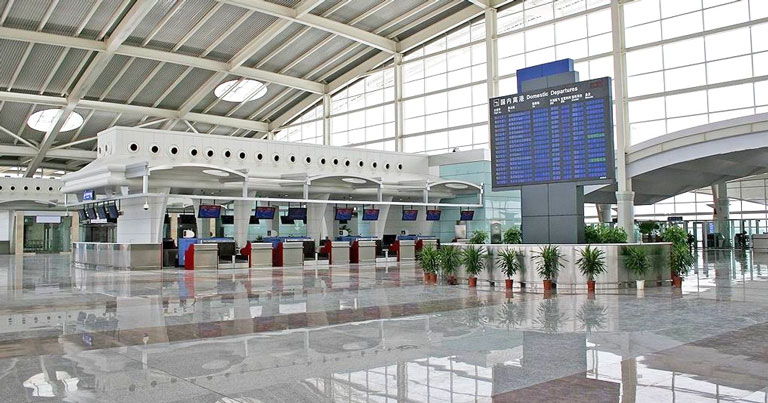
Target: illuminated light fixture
{"type": "Point", "coordinates": [45, 120]}
{"type": "Point", "coordinates": [240, 90]}
{"type": "Point", "coordinates": [456, 186]}
{"type": "Point", "coordinates": [356, 181]}
{"type": "Point", "coordinates": [215, 172]}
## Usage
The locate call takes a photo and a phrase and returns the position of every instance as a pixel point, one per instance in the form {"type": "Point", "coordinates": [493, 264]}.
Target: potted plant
{"type": "Point", "coordinates": [647, 228]}
{"type": "Point", "coordinates": [429, 261]}
{"type": "Point", "coordinates": [509, 262]}
{"type": "Point", "coordinates": [681, 261]}
{"type": "Point", "coordinates": [548, 264]}
{"type": "Point", "coordinates": [676, 235]}
{"type": "Point", "coordinates": [473, 260]}
{"type": "Point", "coordinates": [479, 237]}
{"type": "Point", "coordinates": [450, 259]}
{"type": "Point", "coordinates": [591, 264]}
{"type": "Point", "coordinates": [637, 262]}
{"type": "Point", "coordinates": [513, 235]}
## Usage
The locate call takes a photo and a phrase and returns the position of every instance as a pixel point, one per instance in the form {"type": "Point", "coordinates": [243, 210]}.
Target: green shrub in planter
{"type": "Point", "coordinates": [473, 260]}
{"type": "Point", "coordinates": [591, 263]}
{"type": "Point", "coordinates": [509, 262]}
{"type": "Point", "coordinates": [681, 259]}
{"type": "Point", "coordinates": [479, 237]}
{"type": "Point", "coordinates": [636, 261]}
{"type": "Point", "coordinates": [548, 262]}
{"type": "Point", "coordinates": [429, 259]}
{"type": "Point", "coordinates": [513, 236]}
{"type": "Point", "coordinates": [450, 259]}
{"type": "Point", "coordinates": [676, 235]}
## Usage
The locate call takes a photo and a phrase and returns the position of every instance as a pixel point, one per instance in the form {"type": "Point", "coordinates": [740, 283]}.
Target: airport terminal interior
{"type": "Point", "coordinates": [246, 201]}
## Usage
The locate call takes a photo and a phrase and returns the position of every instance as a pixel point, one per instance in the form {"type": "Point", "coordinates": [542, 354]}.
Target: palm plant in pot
{"type": "Point", "coordinates": [636, 261]}
{"type": "Point", "coordinates": [429, 260]}
{"type": "Point", "coordinates": [450, 259]}
{"type": "Point", "coordinates": [473, 260]}
{"type": "Point", "coordinates": [509, 263]}
{"type": "Point", "coordinates": [548, 264]}
{"type": "Point", "coordinates": [681, 261]}
{"type": "Point", "coordinates": [591, 264]}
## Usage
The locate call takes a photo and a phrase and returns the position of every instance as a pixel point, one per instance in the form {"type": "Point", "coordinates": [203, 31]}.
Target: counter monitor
{"type": "Point", "coordinates": [112, 212]}
{"type": "Point", "coordinates": [101, 211]}
{"type": "Point", "coordinates": [467, 215]}
{"type": "Point", "coordinates": [434, 215]}
{"type": "Point", "coordinates": [370, 214]}
{"type": "Point", "coordinates": [343, 214]}
{"type": "Point", "coordinates": [297, 213]}
{"type": "Point", "coordinates": [209, 211]}
{"type": "Point", "coordinates": [265, 213]}
{"type": "Point", "coordinates": [410, 215]}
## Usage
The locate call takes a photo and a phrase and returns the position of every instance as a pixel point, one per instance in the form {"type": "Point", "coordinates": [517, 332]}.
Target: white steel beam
{"type": "Point", "coordinates": [314, 21]}
{"type": "Point", "coordinates": [24, 151]}
{"type": "Point", "coordinates": [163, 56]}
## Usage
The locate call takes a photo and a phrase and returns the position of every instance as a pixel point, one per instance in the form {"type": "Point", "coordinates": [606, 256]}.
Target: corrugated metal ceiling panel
{"type": "Point", "coordinates": [243, 35]}
{"type": "Point", "coordinates": [26, 14]}
{"type": "Point", "coordinates": [270, 46]}
{"type": "Point", "coordinates": [182, 22]}
{"type": "Point", "coordinates": [12, 52]}
{"type": "Point", "coordinates": [12, 116]}
{"type": "Point", "coordinates": [353, 9]}
{"type": "Point", "coordinates": [212, 29]}
{"type": "Point", "coordinates": [186, 88]}
{"type": "Point", "coordinates": [100, 18]}
{"type": "Point", "coordinates": [315, 59]}
{"type": "Point", "coordinates": [67, 16]}
{"type": "Point", "coordinates": [297, 48]}
{"type": "Point", "coordinates": [159, 84]}
{"type": "Point", "coordinates": [127, 84]}
{"type": "Point", "coordinates": [38, 66]}
{"type": "Point", "coordinates": [113, 68]}
{"type": "Point", "coordinates": [65, 72]}
{"type": "Point", "coordinates": [150, 21]}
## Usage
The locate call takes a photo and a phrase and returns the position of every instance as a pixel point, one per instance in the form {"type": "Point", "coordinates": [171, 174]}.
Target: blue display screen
{"type": "Point", "coordinates": [297, 213]}
{"type": "Point", "coordinates": [89, 195]}
{"type": "Point", "coordinates": [209, 211]}
{"type": "Point", "coordinates": [559, 134]}
{"type": "Point", "coordinates": [410, 215]}
{"type": "Point", "coordinates": [343, 214]}
{"type": "Point", "coordinates": [467, 215]}
{"type": "Point", "coordinates": [266, 213]}
{"type": "Point", "coordinates": [101, 211]}
{"type": "Point", "coordinates": [434, 215]}
{"type": "Point", "coordinates": [112, 211]}
{"type": "Point", "coordinates": [370, 214]}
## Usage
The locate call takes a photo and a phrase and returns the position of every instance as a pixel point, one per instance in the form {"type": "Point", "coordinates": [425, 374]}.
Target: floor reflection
{"type": "Point", "coordinates": [375, 333]}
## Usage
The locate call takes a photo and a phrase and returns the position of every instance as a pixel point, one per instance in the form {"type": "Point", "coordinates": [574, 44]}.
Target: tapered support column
{"type": "Point", "coordinates": [626, 204]}
{"type": "Point", "coordinates": [74, 228]}
{"type": "Point", "coordinates": [604, 213]}
{"type": "Point", "coordinates": [242, 219]}
{"type": "Point", "coordinates": [18, 234]}
{"type": "Point", "coordinates": [722, 212]}
{"type": "Point", "coordinates": [140, 225]}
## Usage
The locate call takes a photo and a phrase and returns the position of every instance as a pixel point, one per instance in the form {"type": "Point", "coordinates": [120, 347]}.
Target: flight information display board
{"type": "Point", "coordinates": [559, 134]}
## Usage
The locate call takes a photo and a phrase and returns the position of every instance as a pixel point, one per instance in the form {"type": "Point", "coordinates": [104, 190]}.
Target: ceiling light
{"type": "Point", "coordinates": [356, 181]}
{"type": "Point", "coordinates": [240, 90]}
{"type": "Point", "coordinates": [456, 186]}
{"type": "Point", "coordinates": [215, 172]}
{"type": "Point", "coordinates": [45, 120]}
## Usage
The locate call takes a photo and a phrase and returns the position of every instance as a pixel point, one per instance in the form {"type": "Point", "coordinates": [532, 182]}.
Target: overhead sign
{"type": "Point", "coordinates": [89, 195]}
{"type": "Point", "coordinates": [559, 134]}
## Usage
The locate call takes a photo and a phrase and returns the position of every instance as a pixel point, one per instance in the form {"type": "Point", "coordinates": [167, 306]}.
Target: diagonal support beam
{"type": "Point", "coordinates": [314, 21]}
{"type": "Point", "coordinates": [131, 20]}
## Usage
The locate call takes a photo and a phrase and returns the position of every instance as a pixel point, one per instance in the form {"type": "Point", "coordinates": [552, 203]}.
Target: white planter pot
{"type": "Point", "coordinates": [640, 284]}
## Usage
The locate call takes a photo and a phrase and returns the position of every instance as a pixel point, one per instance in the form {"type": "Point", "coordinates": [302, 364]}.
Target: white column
{"type": "Point", "coordinates": [381, 224]}
{"type": "Point", "coordinates": [624, 196]}
{"type": "Point", "coordinates": [203, 224]}
{"type": "Point", "coordinates": [242, 220]}
{"type": "Point", "coordinates": [318, 225]}
{"type": "Point", "coordinates": [74, 230]}
{"type": "Point", "coordinates": [327, 119]}
{"type": "Point", "coordinates": [491, 52]}
{"type": "Point", "coordinates": [175, 227]}
{"type": "Point", "coordinates": [18, 234]}
{"type": "Point", "coordinates": [604, 213]}
{"type": "Point", "coordinates": [398, 77]}
{"type": "Point", "coordinates": [137, 225]}
{"type": "Point", "coordinates": [722, 211]}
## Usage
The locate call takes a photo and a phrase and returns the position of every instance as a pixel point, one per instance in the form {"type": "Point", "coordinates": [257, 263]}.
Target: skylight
{"type": "Point", "coordinates": [240, 90]}
{"type": "Point", "coordinates": [45, 120]}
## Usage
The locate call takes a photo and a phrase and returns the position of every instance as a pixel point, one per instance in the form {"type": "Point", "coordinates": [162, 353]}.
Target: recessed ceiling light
{"type": "Point", "coordinates": [240, 90]}
{"type": "Point", "coordinates": [215, 172]}
{"type": "Point", "coordinates": [45, 120]}
{"type": "Point", "coordinates": [456, 186]}
{"type": "Point", "coordinates": [353, 180]}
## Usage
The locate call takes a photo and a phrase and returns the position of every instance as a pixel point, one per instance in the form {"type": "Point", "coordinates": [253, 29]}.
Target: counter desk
{"type": "Point", "coordinates": [760, 243]}
{"type": "Point", "coordinates": [339, 252]}
{"type": "Point", "coordinates": [363, 251]}
{"type": "Point", "coordinates": [261, 254]}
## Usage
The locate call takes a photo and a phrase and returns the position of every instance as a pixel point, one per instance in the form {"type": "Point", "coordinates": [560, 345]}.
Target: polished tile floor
{"type": "Point", "coordinates": [365, 333]}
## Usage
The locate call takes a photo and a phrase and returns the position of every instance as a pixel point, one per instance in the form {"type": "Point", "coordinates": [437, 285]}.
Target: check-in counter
{"type": "Point", "coordinates": [288, 253]}
{"type": "Point", "coordinates": [760, 243]}
{"type": "Point", "coordinates": [406, 250]}
{"type": "Point", "coordinates": [339, 252]}
{"type": "Point", "coordinates": [422, 243]}
{"type": "Point", "coordinates": [131, 256]}
{"type": "Point", "coordinates": [202, 256]}
{"type": "Point", "coordinates": [363, 252]}
{"type": "Point", "coordinates": [261, 254]}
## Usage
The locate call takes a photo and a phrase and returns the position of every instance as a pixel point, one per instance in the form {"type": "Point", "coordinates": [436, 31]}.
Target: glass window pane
{"type": "Point", "coordinates": [571, 29]}
{"type": "Point", "coordinates": [728, 14]}
{"type": "Point", "coordinates": [685, 77]}
{"type": "Point", "coordinates": [729, 69]}
{"type": "Point", "coordinates": [599, 22]}
{"type": "Point", "coordinates": [727, 44]}
{"type": "Point", "coordinates": [642, 34]}
{"type": "Point", "coordinates": [682, 25]}
{"type": "Point", "coordinates": [646, 109]}
{"type": "Point", "coordinates": [691, 103]}
{"type": "Point", "coordinates": [640, 132]}
{"type": "Point", "coordinates": [644, 60]}
{"type": "Point", "coordinates": [684, 53]}
{"type": "Point", "coordinates": [645, 84]}
{"type": "Point", "coordinates": [641, 11]}
{"type": "Point", "coordinates": [737, 96]}
{"type": "Point", "coordinates": [677, 7]}
{"type": "Point", "coordinates": [538, 38]}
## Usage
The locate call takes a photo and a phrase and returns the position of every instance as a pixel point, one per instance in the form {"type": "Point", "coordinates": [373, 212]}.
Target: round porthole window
{"type": "Point", "coordinates": [292, 158]}
{"type": "Point", "coordinates": [276, 158]}
{"type": "Point", "coordinates": [13, 187]}
{"type": "Point", "coordinates": [335, 161]}
{"type": "Point", "coordinates": [308, 159]}
{"type": "Point", "coordinates": [259, 156]}
{"type": "Point", "coordinates": [154, 149]}
{"type": "Point", "coordinates": [386, 166]}
{"type": "Point", "coordinates": [347, 163]}
{"type": "Point", "coordinates": [193, 151]}
{"type": "Point", "coordinates": [374, 165]}
{"type": "Point", "coordinates": [173, 150]}
{"type": "Point", "coordinates": [26, 187]}
{"type": "Point", "coordinates": [400, 166]}
{"type": "Point", "coordinates": [241, 155]}
{"type": "Point", "coordinates": [227, 154]}
{"type": "Point", "coordinates": [322, 161]}
{"type": "Point", "coordinates": [50, 188]}
{"type": "Point", "coordinates": [37, 188]}
{"type": "Point", "coordinates": [360, 163]}
{"type": "Point", "coordinates": [209, 153]}
{"type": "Point", "coordinates": [106, 148]}
{"type": "Point", "coordinates": [133, 147]}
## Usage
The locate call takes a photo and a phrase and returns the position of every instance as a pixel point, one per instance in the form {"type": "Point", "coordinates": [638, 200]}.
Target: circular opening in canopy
{"type": "Point", "coordinates": [240, 90]}
{"type": "Point", "coordinates": [45, 120]}
{"type": "Point", "coordinates": [456, 186]}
